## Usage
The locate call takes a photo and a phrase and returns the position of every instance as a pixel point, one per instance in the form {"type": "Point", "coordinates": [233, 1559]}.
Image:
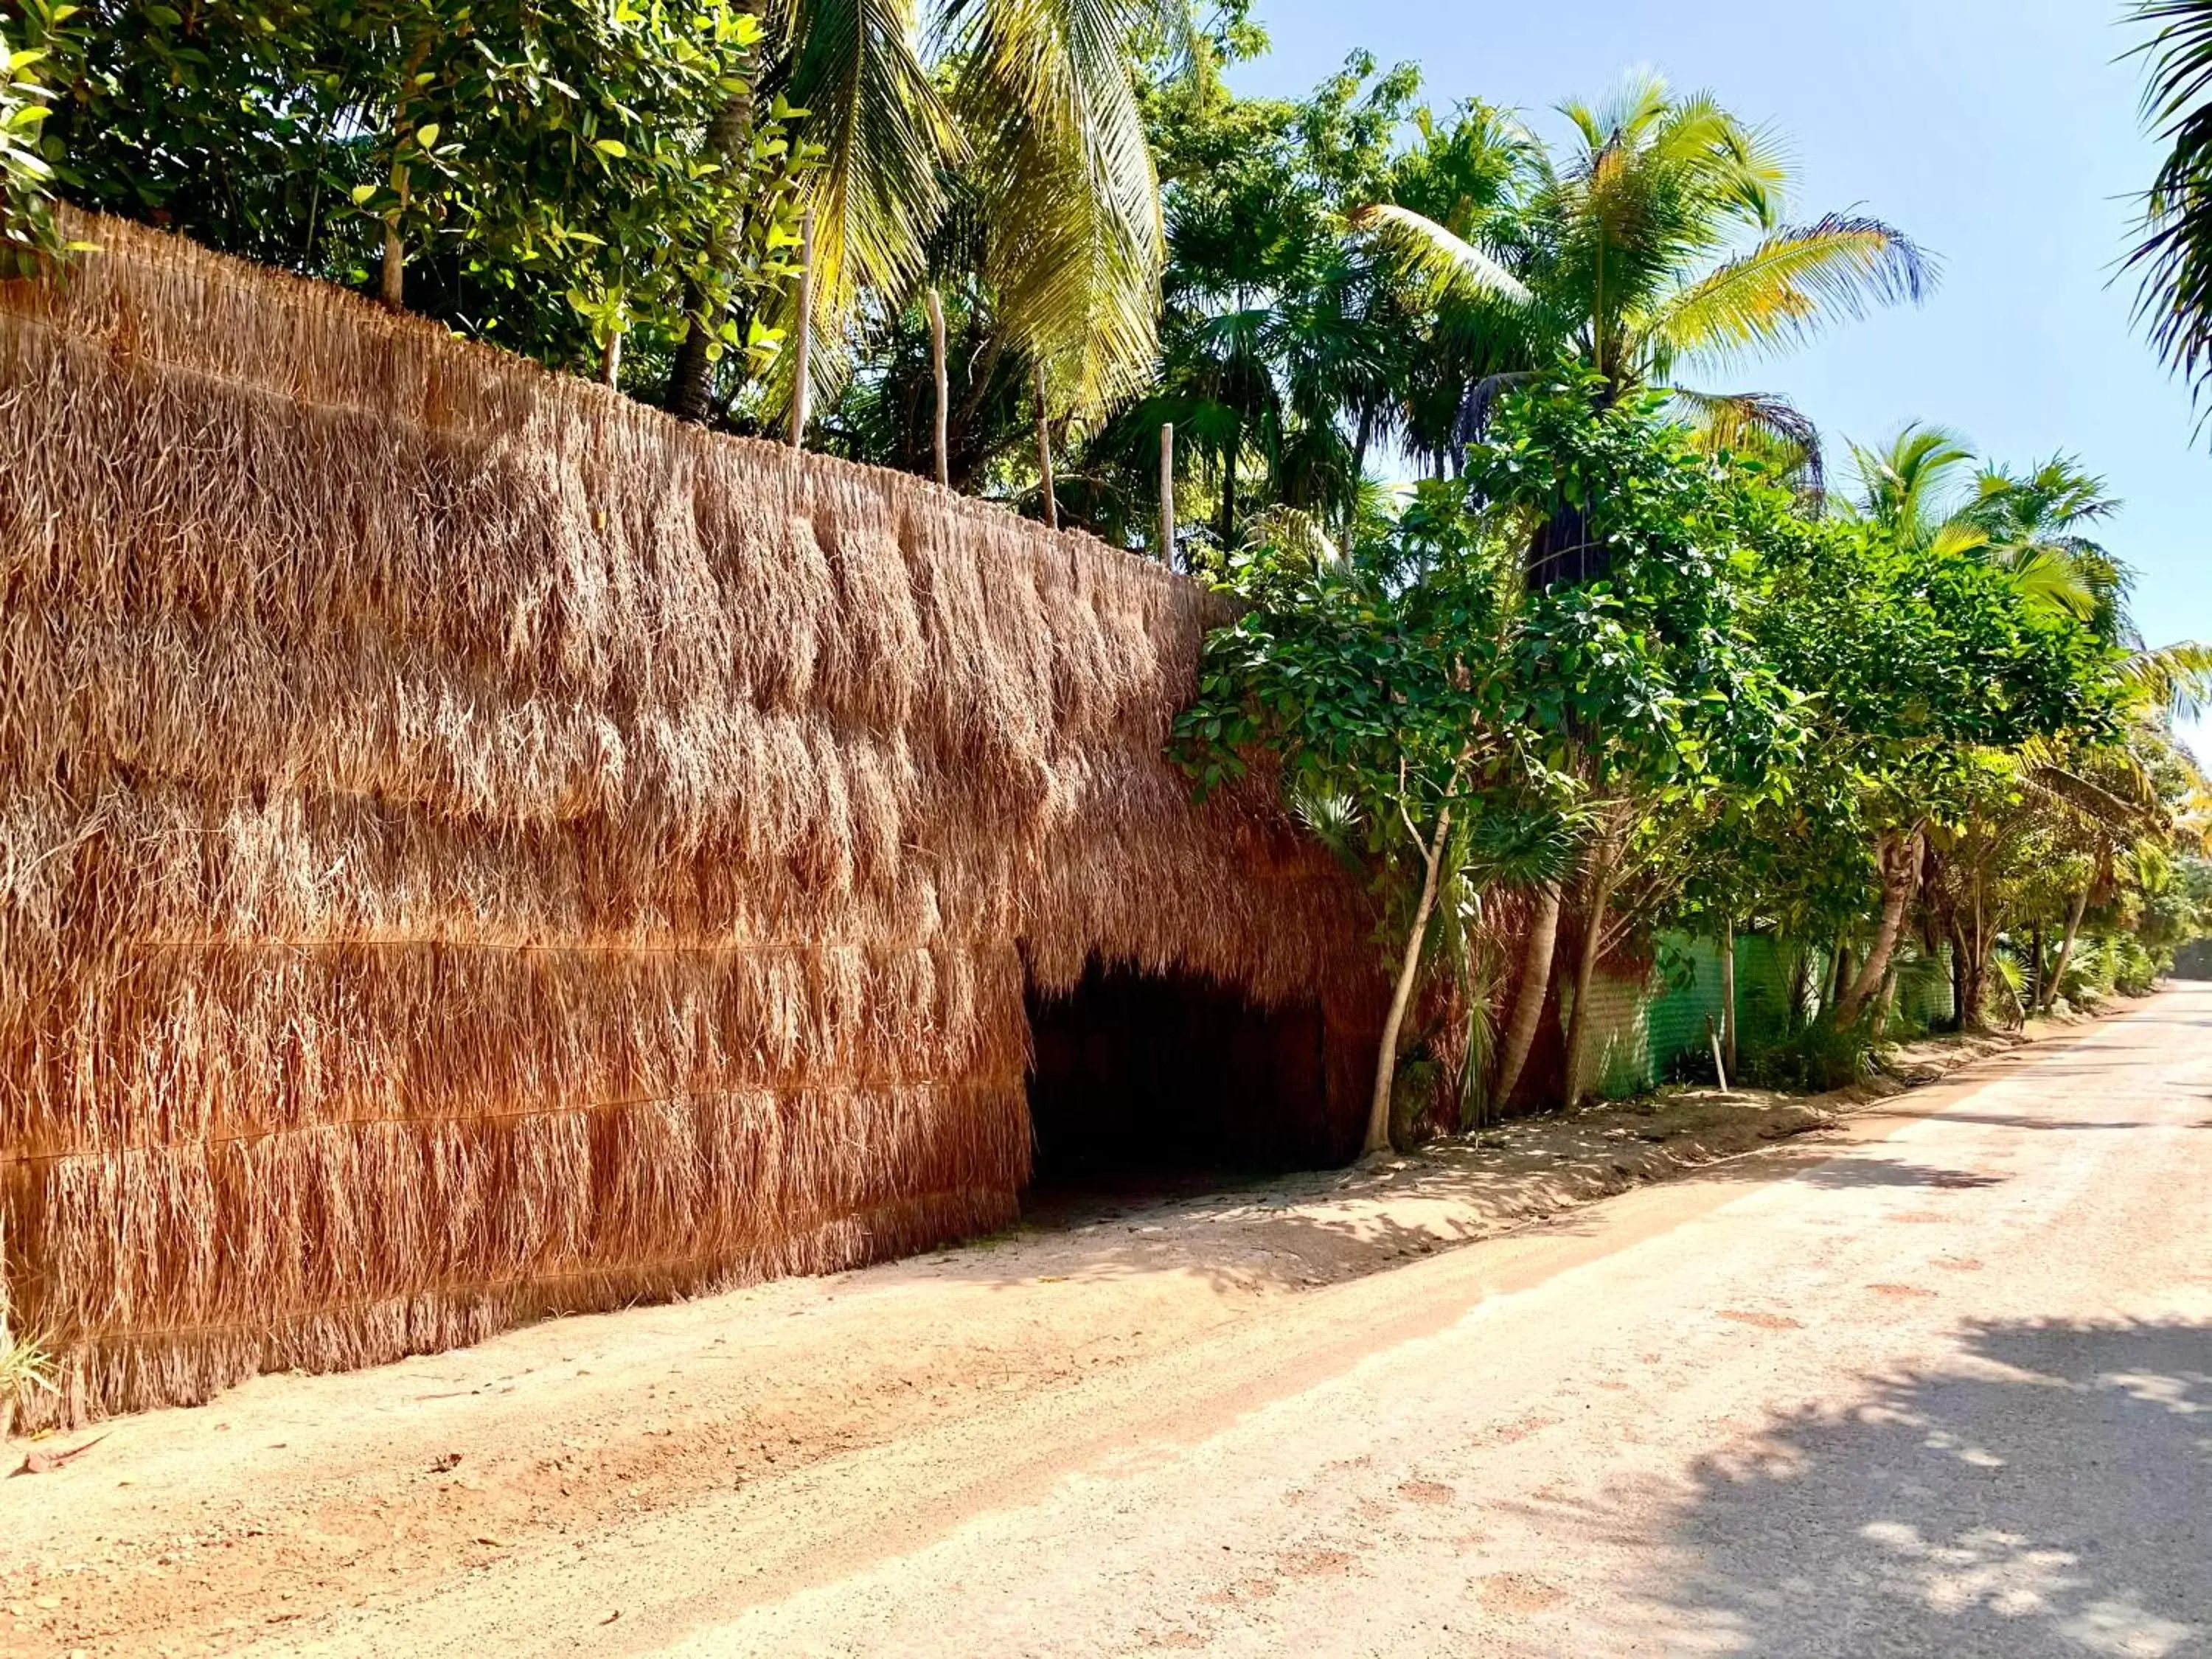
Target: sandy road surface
{"type": "Point", "coordinates": [1941, 1385]}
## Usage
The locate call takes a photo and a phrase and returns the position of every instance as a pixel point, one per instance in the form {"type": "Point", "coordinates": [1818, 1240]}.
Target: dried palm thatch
{"type": "Point", "coordinates": [470, 846]}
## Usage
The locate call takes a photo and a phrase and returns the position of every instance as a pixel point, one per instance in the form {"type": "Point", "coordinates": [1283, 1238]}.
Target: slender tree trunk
{"type": "Point", "coordinates": [1727, 993]}
{"type": "Point", "coordinates": [1409, 971]}
{"type": "Point", "coordinates": [943, 385]}
{"type": "Point", "coordinates": [1226, 522]}
{"type": "Point", "coordinates": [1585, 974]}
{"type": "Point", "coordinates": [1044, 456]}
{"type": "Point", "coordinates": [691, 379]}
{"type": "Point", "coordinates": [611, 360]}
{"type": "Point", "coordinates": [1885, 1003]}
{"type": "Point", "coordinates": [1528, 999]}
{"type": "Point", "coordinates": [2066, 948]}
{"type": "Point", "coordinates": [1167, 494]}
{"type": "Point", "coordinates": [802, 370]}
{"type": "Point", "coordinates": [1901, 875]}
{"type": "Point", "coordinates": [393, 290]}
{"type": "Point", "coordinates": [1358, 469]}
{"type": "Point", "coordinates": [2034, 971]}
{"type": "Point", "coordinates": [1958, 976]}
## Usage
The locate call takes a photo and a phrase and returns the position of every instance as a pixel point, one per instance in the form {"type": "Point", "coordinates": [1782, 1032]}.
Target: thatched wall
{"type": "Point", "coordinates": [470, 846]}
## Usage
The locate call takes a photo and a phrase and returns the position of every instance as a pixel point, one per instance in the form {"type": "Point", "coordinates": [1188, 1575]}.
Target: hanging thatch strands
{"type": "Point", "coordinates": [944, 389]}
{"type": "Point", "coordinates": [472, 846]}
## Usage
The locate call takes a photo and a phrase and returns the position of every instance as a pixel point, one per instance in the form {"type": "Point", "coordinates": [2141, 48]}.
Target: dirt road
{"type": "Point", "coordinates": [1941, 1383]}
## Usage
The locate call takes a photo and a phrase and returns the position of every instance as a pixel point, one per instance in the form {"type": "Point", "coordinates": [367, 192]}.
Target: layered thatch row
{"type": "Point", "coordinates": [470, 846]}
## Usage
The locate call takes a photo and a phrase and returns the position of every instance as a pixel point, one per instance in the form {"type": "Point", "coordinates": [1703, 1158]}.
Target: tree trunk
{"type": "Point", "coordinates": [1167, 494]}
{"type": "Point", "coordinates": [802, 370]}
{"type": "Point", "coordinates": [944, 387]}
{"type": "Point", "coordinates": [2066, 947]}
{"type": "Point", "coordinates": [1727, 993]}
{"type": "Point", "coordinates": [1409, 971]}
{"type": "Point", "coordinates": [1585, 972]}
{"type": "Point", "coordinates": [1957, 977]}
{"type": "Point", "coordinates": [691, 380]}
{"type": "Point", "coordinates": [1225, 520]}
{"type": "Point", "coordinates": [394, 287]}
{"type": "Point", "coordinates": [2034, 972]}
{"type": "Point", "coordinates": [611, 360]}
{"type": "Point", "coordinates": [1901, 874]}
{"type": "Point", "coordinates": [1887, 1002]}
{"type": "Point", "coordinates": [1528, 1000]}
{"type": "Point", "coordinates": [1044, 456]}
{"type": "Point", "coordinates": [1976, 988]}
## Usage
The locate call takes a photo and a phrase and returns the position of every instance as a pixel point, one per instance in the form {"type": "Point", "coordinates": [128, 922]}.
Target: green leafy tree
{"type": "Point", "coordinates": [1654, 696]}
{"type": "Point", "coordinates": [1386, 689]}
{"type": "Point", "coordinates": [529, 173]}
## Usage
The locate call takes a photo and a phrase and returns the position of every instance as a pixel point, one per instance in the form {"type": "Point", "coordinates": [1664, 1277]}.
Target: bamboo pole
{"type": "Point", "coordinates": [1167, 493]}
{"type": "Point", "coordinates": [1044, 456]}
{"type": "Point", "coordinates": [943, 393]}
{"type": "Point", "coordinates": [802, 387]}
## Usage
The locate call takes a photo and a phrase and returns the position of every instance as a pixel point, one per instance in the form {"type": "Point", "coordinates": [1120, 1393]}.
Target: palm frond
{"type": "Point", "coordinates": [1794, 282]}
{"type": "Point", "coordinates": [1071, 198]}
{"type": "Point", "coordinates": [885, 133]}
{"type": "Point", "coordinates": [1449, 263]}
{"type": "Point", "coordinates": [1762, 424]}
{"type": "Point", "coordinates": [2174, 678]}
{"type": "Point", "coordinates": [2173, 261]}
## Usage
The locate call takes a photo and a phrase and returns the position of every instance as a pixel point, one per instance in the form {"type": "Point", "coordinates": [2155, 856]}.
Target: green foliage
{"type": "Point", "coordinates": [38, 42]}
{"type": "Point", "coordinates": [545, 167]}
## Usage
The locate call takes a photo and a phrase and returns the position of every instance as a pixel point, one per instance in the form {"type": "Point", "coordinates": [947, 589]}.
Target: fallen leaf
{"type": "Point", "coordinates": [45, 1462]}
{"type": "Point", "coordinates": [1766, 1321]}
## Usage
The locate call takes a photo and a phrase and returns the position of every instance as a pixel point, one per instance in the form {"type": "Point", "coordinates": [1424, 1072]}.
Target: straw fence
{"type": "Point", "coordinates": [472, 848]}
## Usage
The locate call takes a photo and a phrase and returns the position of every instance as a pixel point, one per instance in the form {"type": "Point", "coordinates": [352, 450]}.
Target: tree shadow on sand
{"type": "Point", "coordinates": [2050, 1494]}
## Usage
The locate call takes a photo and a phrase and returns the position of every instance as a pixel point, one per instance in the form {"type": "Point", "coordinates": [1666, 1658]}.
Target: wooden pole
{"type": "Point", "coordinates": [1044, 456]}
{"type": "Point", "coordinates": [1727, 991]}
{"type": "Point", "coordinates": [802, 385]}
{"type": "Point", "coordinates": [393, 288]}
{"type": "Point", "coordinates": [1167, 493]}
{"type": "Point", "coordinates": [944, 395]}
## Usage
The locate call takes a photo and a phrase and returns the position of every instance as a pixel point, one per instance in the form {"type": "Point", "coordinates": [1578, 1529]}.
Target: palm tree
{"type": "Point", "coordinates": [1023, 118]}
{"type": "Point", "coordinates": [2030, 525]}
{"type": "Point", "coordinates": [2174, 259]}
{"type": "Point", "coordinates": [1660, 245]}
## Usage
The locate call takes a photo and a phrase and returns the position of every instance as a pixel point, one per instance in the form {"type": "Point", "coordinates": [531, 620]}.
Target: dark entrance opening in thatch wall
{"type": "Point", "coordinates": [1150, 1079]}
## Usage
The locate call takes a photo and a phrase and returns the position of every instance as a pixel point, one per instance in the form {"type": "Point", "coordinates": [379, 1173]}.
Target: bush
{"type": "Point", "coordinates": [1811, 1059]}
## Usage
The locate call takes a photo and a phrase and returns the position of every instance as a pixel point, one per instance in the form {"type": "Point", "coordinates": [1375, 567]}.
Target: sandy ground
{"type": "Point", "coordinates": [1933, 1378]}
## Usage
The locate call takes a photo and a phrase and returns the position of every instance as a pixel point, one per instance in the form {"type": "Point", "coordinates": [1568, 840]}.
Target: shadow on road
{"type": "Point", "coordinates": [2053, 1495]}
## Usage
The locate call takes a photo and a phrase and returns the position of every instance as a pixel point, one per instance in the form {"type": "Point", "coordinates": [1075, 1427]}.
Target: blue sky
{"type": "Point", "coordinates": [2000, 133]}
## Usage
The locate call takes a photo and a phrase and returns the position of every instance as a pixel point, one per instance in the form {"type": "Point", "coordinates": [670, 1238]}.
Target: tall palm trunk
{"type": "Point", "coordinates": [1899, 858]}
{"type": "Point", "coordinates": [2065, 948]}
{"type": "Point", "coordinates": [1528, 1000]}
